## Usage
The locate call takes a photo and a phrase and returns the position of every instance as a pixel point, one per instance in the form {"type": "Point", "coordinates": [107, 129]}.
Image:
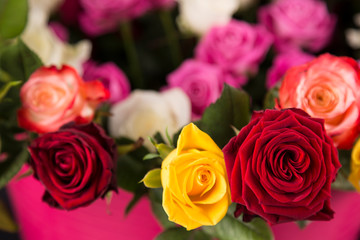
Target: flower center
{"type": "Point", "coordinates": [321, 99]}
{"type": "Point", "coordinates": [204, 176]}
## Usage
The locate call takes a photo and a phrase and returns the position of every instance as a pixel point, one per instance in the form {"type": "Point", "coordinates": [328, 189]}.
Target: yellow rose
{"type": "Point", "coordinates": [194, 179]}
{"type": "Point", "coordinates": [354, 176]}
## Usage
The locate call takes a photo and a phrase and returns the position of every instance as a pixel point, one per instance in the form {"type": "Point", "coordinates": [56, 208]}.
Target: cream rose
{"type": "Point", "coordinates": [198, 16]}
{"type": "Point", "coordinates": [43, 41]}
{"type": "Point", "coordinates": [144, 113]}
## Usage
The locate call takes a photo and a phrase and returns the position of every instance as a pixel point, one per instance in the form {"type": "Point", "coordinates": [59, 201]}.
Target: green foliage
{"type": "Point", "coordinates": [230, 228]}
{"type": "Point", "coordinates": [232, 109]}
{"type": "Point", "coordinates": [178, 233]}
{"type": "Point", "coordinates": [11, 166]}
{"type": "Point", "coordinates": [17, 60]}
{"type": "Point", "coordinates": [13, 17]}
{"type": "Point", "coordinates": [341, 181]}
{"type": "Point", "coordinates": [5, 89]}
{"type": "Point", "coordinates": [270, 98]}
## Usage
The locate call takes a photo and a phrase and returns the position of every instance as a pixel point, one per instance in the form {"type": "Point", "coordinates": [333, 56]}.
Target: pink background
{"type": "Point", "coordinates": [40, 222]}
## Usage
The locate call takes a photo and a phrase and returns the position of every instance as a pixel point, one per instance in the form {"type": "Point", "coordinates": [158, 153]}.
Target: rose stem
{"type": "Point", "coordinates": [171, 36]}
{"type": "Point", "coordinates": [130, 50]}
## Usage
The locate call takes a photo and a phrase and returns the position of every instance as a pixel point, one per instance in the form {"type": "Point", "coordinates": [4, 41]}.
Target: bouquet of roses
{"type": "Point", "coordinates": [230, 116]}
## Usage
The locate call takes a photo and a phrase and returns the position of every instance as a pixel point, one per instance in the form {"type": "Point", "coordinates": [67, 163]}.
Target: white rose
{"type": "Point", "coordinates": [353, 35]}
{"type": "Point", "coordinates": [46, 5]}
{"type": "Point", "coordinates": [144, 113]}
{"type": "Point", "coordinates": [51, 50]}
{"type": "Point", "coordinates": [198, 16]}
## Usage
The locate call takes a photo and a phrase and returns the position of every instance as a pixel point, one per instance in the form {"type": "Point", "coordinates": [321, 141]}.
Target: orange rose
{"type": "Point", "coordinates": [53, 97]}
{"type": "Point", "coordinates": [327, 87]}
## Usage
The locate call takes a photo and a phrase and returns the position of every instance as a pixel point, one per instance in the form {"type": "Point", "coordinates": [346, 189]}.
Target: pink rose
{"type": "Point", "coordinates": [53, 97]}
{"type": "Point", "coordinates": [237, 47]}
{"type": "Point", "coordinates": [202, 82]}
{"type": "Point", "coordinates": [282, 63]}
{"type": "Point", "coordinates": [103, 16]}
{"type": "Point", "coordinates": [111, 76]}
{"type": "Point", "coordinates": [298, 23]}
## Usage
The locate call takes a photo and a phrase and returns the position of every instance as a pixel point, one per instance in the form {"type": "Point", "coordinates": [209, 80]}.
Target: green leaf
{"type": "Point", "coordinates": [151, 156]}
{"type": "Point", "coordinates": [155, 196]}
{"type": "Point", "coordinates": [152, 179]}
{"type": "Point", "coordinates": [231, 109]}
{"type": "Point", "coordinates": [271, 95]}
{"type": "Point", "coordinates": [179, 233]}
{"type": "Point", "coordinates": [7, 223]}
{"type": "Point", "coordinates": [163, 150]}
{"type": "Point", "coordinates": [13, 17]}
{"type": "Point", "coordinates": [11, 166]}
{"type": "Point", "coordinates": [230, 228]}
{"type": "Point", "coordinates": [129, 173]}
{"type": "Point", "coordinates": [19, 61]}
{"type": "Point", "coordinates": [126, 148]}
{"type": "Point", "coordinates": [5, 89]}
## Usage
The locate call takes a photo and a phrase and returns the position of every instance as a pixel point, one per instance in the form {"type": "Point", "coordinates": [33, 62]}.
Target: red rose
{"type": "Point", "coordinates": [281, 166]}
{"type": "Point", "coordinates": [75, 164]}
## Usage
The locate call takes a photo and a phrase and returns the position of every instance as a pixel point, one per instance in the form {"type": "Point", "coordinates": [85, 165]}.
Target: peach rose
{"type": "Point", "coordinates": [328, 88]}
{"type": "Point", "coordinates": [52, 97]}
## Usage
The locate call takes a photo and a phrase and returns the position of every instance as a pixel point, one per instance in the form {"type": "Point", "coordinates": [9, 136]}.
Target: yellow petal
{"type": "Point", "coordinates": [354, 176]}
{"type": "Point", "coordinates": [191, 137]}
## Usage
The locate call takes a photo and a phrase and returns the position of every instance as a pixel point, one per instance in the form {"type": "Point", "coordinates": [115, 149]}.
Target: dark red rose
{"type": "Point", "coordinates": [75, 164]}
{"type": "Point", "coordinates": [281, 166]}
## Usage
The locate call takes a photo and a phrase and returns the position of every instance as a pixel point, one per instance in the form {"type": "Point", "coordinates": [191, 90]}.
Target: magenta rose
{"type": "Point", "coordinates": [281, 166]}
{"type": "Point", "coordinates": [60, 31]}
{"type": "Point", "coordinates": [103, 16]}
{"type": "Point", "coordinates": [202, 82]}
{"type": "Point", "coordinates": [298, 23]}
{"type": "Point", "coordinates": [111, 76]}
{"type": "Point", "coordinates": [282, 63]}
{"type": "Point", "coordinates": [76, 165]}
{"type": "Point", "coordinates": [238, 47]}
{"type": "Point", "coordinates": [162, 3]}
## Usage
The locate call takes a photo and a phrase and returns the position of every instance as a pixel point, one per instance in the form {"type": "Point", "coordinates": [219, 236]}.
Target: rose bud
{"type": "Point", "coordinates": [328, 88]}
{"type": "Point", "coordinates": [281, 166]}
{"type": "Point", "coordinates": [53, 97]}
{"type": "Point", "coordinates": [76, 165]}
